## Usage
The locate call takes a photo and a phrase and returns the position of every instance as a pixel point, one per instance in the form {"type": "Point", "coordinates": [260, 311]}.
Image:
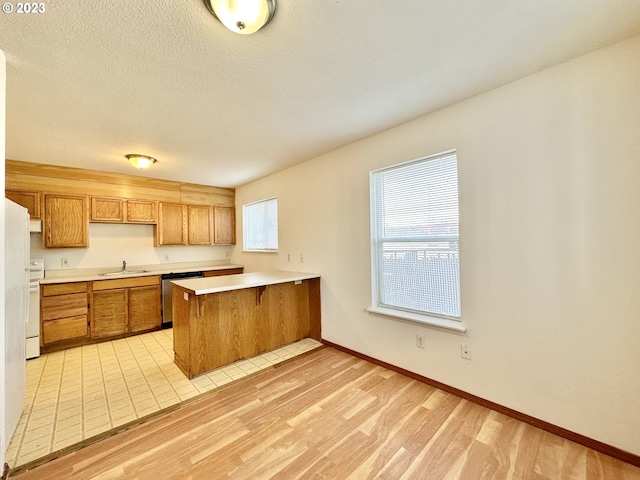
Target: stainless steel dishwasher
{"type": "Point", "coordinates": [167, 311]}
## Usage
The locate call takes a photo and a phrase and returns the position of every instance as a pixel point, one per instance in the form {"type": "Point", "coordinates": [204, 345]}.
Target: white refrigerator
{"type": "Point", "coordinates": [16, 313]}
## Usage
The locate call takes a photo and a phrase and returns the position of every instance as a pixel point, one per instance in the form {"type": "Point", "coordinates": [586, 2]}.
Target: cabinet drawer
{"type": "Point", "coordinates": [64, 329]}
{"type": "Point", "coordinates": [63, 306]}
{"type": "Point", "coordinates": [62, 288]}
{"type": "Point", "coordinates": [147, 281]}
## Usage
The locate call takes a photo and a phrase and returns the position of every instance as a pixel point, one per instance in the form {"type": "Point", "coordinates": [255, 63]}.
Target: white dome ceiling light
{"type": "Point", "coordinates": [242, 16]}
{"type": "Point", "coordinates": [141, 161]}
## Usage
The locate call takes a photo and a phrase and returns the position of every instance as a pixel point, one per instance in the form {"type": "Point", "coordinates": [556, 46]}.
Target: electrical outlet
{"type": "Point", "coordinates": [465, 351]}
{"type": "Point", "coordinates": [419, 340]}
{"type": "Point", "coordinates": [301, 258]}
{"type": "Point", "coordinates": [288, 257]}
{"type": "Point", "coordinates": [166, 257]}
{"type": "Point", "coordinates": [64, 262]}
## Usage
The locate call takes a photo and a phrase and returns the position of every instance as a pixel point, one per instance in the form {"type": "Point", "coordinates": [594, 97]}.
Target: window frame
{"type": "Point", "coordinates": [246, 231]}
{"type": "Point", "coordinates": [377, 240]}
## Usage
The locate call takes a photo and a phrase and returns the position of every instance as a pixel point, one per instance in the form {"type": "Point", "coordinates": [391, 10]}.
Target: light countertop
{"type": "Point", "coordinates": [203, 286]}
{"type": "Point", "coordinates": [87, 275]}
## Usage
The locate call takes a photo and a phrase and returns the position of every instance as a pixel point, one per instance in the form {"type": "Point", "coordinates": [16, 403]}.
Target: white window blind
{"type": "Point", "coordinates": [415, 252]}
{"type": "Point", "coordinates": [260, 225]}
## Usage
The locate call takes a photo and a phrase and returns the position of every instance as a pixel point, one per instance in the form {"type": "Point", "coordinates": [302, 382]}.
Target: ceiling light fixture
{"type": "Point", "coordinates": [141, 161]}
{"type": "Point", "coordinates": [242, 16]}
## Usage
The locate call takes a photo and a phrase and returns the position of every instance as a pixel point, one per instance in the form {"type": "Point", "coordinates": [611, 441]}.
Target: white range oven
{"type": "Point", "coordinates": [36, 273]}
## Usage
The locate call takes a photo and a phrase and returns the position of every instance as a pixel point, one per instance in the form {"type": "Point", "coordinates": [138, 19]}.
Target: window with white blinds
{"type": "Point", "coordinates": [415, 255]}
{"type": "Point", "coordinates": [260, 226]}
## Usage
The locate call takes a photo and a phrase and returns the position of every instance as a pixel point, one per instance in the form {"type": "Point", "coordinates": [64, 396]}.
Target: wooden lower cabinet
{"type": "Point", "coordinates": [79, 313]}
{"type": "Point", "coordinates": [109, 313]}
{"type": "Point", "coordinates": [216, 329]}
{"type": "Point", "coordinates": [125, 306]}
{"type": "Point", "coordinates": [64, 313]}
{"type": "Point", "coordinates": [144, 309]}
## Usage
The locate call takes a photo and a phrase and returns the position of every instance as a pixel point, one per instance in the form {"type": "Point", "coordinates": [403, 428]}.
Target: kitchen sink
{"type": "Point", "coordinates": [122, 272]}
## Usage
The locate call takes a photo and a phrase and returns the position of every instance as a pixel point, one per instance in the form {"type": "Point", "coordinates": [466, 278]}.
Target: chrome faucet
{"type": "Point", "coordinates": [124, 266]}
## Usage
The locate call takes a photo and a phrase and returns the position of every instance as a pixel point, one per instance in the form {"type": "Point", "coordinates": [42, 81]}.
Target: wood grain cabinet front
{"type": "Point", "coordinates": [109, 313]}
{"type": "Point", "coordinates": [193, 225]}
{"type": "Point", "coordinates": [64, 315]}
{"type": "Point", "coordinates": [200, 225]}
{"type": "Point", "coordinates": [66, 221]}
{"type": "Point", "coordinates": [142, 211]}
{"type": "Point", "coordinates": [224, 225]}
{"type": "Point", "coordinates": [125, 306]}
{"type": "Point", "coordinates": [29, 200]}
{"type": "Point", "coordinates": [107, 210]}
{"type": "Point", "coordinates": [172, 224]}
{"type": "Point", "coordinates": [216, 329]}
{"type": "Point", "coordinates": [123, 210]}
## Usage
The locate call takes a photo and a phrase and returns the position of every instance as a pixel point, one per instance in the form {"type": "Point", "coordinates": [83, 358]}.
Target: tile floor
{"type": "Point", "coordinates": [78, 393]}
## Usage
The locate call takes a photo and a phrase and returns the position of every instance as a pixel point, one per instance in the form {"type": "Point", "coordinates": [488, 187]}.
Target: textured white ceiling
{"type": "Point", "coordinates": [88, 82]}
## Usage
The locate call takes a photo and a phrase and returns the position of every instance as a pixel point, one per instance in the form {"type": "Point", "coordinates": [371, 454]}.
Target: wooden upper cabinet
{"type": "Point", "coordinates": [172, 224]}
{"type": "Point", "coordinates": [66, 222]}
{"type": "Point", "coordinates": [200, 226]}
{"type": "Point", "coordinates": [29, 200]}
{"type": "Point", "coordinates": [224, 225]}
{"type": "Point", "coordinates": [107, 210]}
{"type": "Point", "coordinates": [121, 210]}
{"type": "Point", "coordinates": [142, 211]}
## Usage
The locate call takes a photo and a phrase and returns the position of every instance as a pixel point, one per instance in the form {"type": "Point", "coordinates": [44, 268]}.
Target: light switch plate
{"type": "Point", "coordinates": [186, 296]}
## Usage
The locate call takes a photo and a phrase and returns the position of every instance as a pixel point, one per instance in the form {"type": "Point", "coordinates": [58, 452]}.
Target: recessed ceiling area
{"type": "Point", "coordinates": [89, 82]}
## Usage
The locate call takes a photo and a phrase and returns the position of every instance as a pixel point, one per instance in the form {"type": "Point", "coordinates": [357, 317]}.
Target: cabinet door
{"type": "Point", "coordinates": [200, 225]}
{"type": "Point", "coordinates": [224, 222]}
{"type": "Point", "coordinates": [29, 200]}
{"type": "Point", "coordinates": [109, 313]}
{"type": "Point", "coordinates": [107, 210]}
{"type": "Point", "coordinates": [142, 211]}
{"type": "Point", "coordinates": [172, 224]}
{"type": "Point", "coordinates": [66, 223]}
{"type": "Point", "coordinates": [144, 308]}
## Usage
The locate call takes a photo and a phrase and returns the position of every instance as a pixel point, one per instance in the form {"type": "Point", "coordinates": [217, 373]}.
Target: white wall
{"type": "Point", "coordinates": [549, 170]}
{"type": "Point", "coordinates": [4, 441]}
{"type": "Point", "coordinates": [110, 244]}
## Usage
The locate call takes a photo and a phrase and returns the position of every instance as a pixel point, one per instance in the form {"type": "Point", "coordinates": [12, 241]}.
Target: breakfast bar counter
{"type": "Point", "coordinates": [220, 320]}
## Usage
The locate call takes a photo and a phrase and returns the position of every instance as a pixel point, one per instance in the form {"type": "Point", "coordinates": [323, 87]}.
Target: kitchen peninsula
{"type": "Point", "coordinates": [219, 320]}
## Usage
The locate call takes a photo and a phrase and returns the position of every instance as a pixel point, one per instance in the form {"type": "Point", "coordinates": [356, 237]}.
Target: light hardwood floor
{"type": "Point", "coordinates": [329, 415]}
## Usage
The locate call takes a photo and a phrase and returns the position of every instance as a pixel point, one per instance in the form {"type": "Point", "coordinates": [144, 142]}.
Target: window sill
{"type": "Point", "coordinates": [259, 251]}
{"type": "Point", "coordinates": [423, 319]}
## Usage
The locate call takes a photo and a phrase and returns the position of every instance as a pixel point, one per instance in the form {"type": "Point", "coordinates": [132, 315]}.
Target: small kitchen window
{"type": "Point", "coordinates": [260, 226]}
{"type": "Point", "coordinates": [414, 241]}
